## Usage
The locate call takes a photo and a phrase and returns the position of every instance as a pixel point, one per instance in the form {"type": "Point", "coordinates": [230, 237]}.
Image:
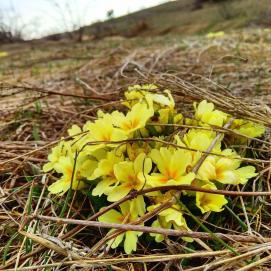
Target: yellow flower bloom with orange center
{"type": "Point", "coordinates": [168, 219]}
{"type": "Point", "coordinates": [135, 119]}
{"type": "Point", "coordinates": [74, 171]}
{"type": "Point", "coordinates": [105, 171]}
{"type": "Point", "coordinates": [206, 114]}
{"type": "Point", "coordinates": [100, 134]}
{"type": "Point", "coordinates": [200, 141]}
{"type": "Point", "coordinates": [225, 170]}
{"type": "Point", "coordinates": [131, 176]}
{"type": "Point", "coordinates": [210, 202]}
{"type": "Point", "coordinates": [129, 211]}
{"type": "Point", "coordinates": [173, 166]}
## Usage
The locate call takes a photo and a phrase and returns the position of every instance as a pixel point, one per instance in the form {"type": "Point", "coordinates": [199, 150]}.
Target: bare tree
{"type": "Point", "coordinates": [69, 17]}
{"type": "Point", "coordinates": [11, 25]}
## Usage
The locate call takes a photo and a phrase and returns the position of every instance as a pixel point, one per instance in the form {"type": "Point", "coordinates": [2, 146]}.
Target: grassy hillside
{"type": "Point", "coordinates": [184, 17]}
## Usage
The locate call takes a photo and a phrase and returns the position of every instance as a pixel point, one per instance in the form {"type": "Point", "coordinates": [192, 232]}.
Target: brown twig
{"type": "Point", "coordinates": [166, 232]}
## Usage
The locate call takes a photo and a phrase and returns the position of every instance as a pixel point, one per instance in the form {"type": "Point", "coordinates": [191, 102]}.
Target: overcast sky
{"type": "Point", "coordinates": [41, 17]}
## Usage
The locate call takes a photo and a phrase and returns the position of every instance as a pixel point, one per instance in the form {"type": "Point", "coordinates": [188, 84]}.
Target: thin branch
{"type": "Point", "coordinates": [166, 232]}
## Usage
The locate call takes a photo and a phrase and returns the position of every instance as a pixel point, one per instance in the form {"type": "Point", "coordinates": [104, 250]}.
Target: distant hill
{"type": "Point", "coordinates": [182, 17]}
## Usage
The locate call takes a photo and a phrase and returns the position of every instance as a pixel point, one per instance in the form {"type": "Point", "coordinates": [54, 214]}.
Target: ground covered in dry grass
{"type": "Point", "coordinates": [45, 88]}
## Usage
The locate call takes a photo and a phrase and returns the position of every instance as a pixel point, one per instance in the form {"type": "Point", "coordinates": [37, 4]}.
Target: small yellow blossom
{"type": "Point", "coordinates": [200, 141]}
{"type": "Point", "coordinates": [131, 176]}
{"type": "Point", "coordinates": [3, 54]}
{"type": "Point", "coordinates": [135, 119]}
{"type": "Point", "coordinates": [129, 211]}
{"type": "Point", "coordinates": [167, 219]}
{"type": "Point", "coordinates": [164, 100]}
{"type": "Point", "coordinates": [105, 171]}
{"type": "Point", "coordinates": [173, 166]}
{"type": "Point", "coordinates": [225, 170]}
{"type": "Point", "coordinates": [210, 202]}
{"type": "Point", "coordinates": [213, 35]}
{"type": "Point", "coordinates": [206, 114]}
{"type": "Point", "coordinates": [143, 92]}
{"type": "Point", "coordinates": [74, 172]}
{"type": "Point", "coordinates": [101, 130]}
{"type": "Point", "coordinates": [248, 128]}
{"type": "Point", "coordinates": [137, 93]}
{"type": "Point", "coordinates": [58, 151]}
{"type": "Point", "coordinates": [74, 131]}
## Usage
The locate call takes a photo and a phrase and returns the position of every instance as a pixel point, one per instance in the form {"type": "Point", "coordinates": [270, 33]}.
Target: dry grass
{"type": "Point", "coordinates": [47, 87]}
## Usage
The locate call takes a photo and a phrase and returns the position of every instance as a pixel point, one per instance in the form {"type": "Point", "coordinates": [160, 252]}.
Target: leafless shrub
{"type": "Point", "coordinates": [69, 18]}
{"type": "Point", "coordinates": [11, 26]}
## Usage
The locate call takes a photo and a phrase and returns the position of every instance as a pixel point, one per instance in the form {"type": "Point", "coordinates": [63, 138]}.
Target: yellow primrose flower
{"type": "Point", "coordinates": [134, 149]}
{"type": "Point", "coordinates": [248, 128]}
{"type": "Point", "coordinates": [167, 116]}
{"type": "Point", "coordinates": [101, 130]}
{"type": "Point", "coordinates": [105, 171]}
{"type": "Point", "coordinates": [200, 140]}
{"type": "Point", "coordinates": [225, 170]}
{"type": "Point", "coordinates": [173, 166]}
{"type": "Point", "coordinates": [74, 173]}
{"type": "Point", "coordinates": [164, 100]}
{"type": "Point", "coordinates": [129, 211]}
{"type": "Point", "coordinates": [167, 219]}
{"type": "Point", "coordinates": [3, 54]}
{"type": "Point", "coordinates": [135, 119]}
{"type": "Point", "coordinates": [210, 202]}
{"type": "Point", "coordinates": [138, 93]}
{"type": "Point", "coordinates": [131, 176]}
{"type": "Point", "coordinates": [80, 138]}
{"type": "Point", "coordinates": [137, 88]}
{"type": "Point", "coordinates": [206, 114]}
{"type": "Point", "coordinates": [212, 35]}
{"type": "Point", "coordinates": [58, 151]}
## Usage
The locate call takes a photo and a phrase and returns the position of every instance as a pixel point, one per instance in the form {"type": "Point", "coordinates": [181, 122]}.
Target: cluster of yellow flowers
{"type": "Point", "coordinates": [120, 153]}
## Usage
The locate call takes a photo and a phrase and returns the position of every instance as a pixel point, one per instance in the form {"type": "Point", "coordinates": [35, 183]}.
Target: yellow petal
{"type": "Point", "coordinates": [142, 164]}
{"type": "Point", "coordinates": [112, 216]}
{"type": "Point", "coordinates": [118, 193]}
{"type": "Point", "coordinates": [124, 171]}
{"type": "Point", "coordinates": [130, 242]}
{"type": "Point", "coordinates": [74, 130]}
{"type": "Point", "coordinates": [138, 206]}
{"type": "Point", "coordinates": [207, 171]}
{"type": "Point", "coordinates": [245, 173]}
{"type": "Point", "coordinates": [87, 169]}
{"type": "Point", "coordinates": [158, 237]}
{"type": "Point", "coordinates": [60, 186]}
{"type": "Point", "coordinates": [47, 167]}
{"type": "Point", "coordinates": [116, 241]}
{"type": "Point", "coordinates": [103, 187]}
{"type": "Point", "coordinates": [210, 202]}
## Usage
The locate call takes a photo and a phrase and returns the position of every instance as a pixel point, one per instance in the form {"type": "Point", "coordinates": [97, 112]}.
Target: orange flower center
{"type": "Point", "coordinates": [106, 137]}
{"type": "Point", "coordinates": [131, 124]}
{"type": "Point", "coordinates": [205, 200]}
{"type": "Point", "coordinates": [133, 182]}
